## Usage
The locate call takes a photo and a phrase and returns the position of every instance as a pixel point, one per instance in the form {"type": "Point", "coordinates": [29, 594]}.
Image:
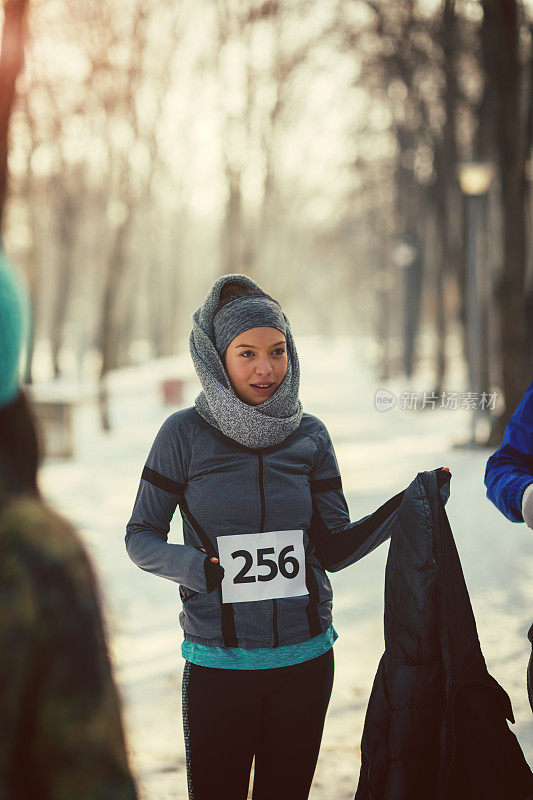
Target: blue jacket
{"type": "Point", "coordinates": [223, 488]}
{"type": "Point", "coordinates": [510, 469]}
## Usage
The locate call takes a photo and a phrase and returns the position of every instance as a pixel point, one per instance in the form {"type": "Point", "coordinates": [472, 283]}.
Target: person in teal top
{"type": "Point", "coordinates": [264, 516]}
{"type": "Point", "coordinates": [61, 713]}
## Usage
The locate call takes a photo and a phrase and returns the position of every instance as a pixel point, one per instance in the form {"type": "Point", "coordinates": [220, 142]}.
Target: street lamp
{"type": "Point", "coordinates": [475, 178]}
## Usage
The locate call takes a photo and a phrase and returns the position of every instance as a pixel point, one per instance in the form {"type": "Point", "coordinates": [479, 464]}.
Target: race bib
{"type": "Point", "coordinates": [262, 566]}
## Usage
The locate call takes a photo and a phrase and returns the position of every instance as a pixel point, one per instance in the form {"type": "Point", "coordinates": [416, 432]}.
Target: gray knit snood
{"type": "Point", "coordinates": [259, 426]}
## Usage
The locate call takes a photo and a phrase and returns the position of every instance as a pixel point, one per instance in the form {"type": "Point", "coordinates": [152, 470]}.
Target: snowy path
{"type": "Point", "coordinates": [379, 454]}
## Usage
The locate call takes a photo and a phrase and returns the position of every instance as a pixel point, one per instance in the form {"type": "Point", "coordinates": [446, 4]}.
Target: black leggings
{"type": "Point", "coordinates": [230, 715]}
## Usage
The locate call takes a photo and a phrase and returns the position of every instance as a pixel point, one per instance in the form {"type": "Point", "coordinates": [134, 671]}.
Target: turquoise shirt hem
{"type": "Point", "coordinates": [260, 658]}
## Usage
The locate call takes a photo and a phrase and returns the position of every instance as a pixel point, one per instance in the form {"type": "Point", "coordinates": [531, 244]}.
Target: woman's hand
{"type": "Point", "coordinates": [214, 560]}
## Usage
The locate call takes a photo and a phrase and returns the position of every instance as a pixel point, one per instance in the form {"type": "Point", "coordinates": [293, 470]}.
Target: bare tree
{"type": "Point", "coordinates": [250, 242]}
{"type": "Point", "coordinates": [403, 64]}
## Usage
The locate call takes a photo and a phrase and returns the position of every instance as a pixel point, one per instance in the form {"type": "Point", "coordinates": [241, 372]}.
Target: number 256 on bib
{"type": "Point", "coordinates": [262, 566]}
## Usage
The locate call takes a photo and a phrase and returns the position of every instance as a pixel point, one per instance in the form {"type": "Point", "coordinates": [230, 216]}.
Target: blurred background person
{"type": "Point", "coordinates": [61, 731]}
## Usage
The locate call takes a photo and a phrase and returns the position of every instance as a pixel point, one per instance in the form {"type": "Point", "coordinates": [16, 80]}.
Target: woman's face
{"type": "Point", "coordinates": [256, 356]}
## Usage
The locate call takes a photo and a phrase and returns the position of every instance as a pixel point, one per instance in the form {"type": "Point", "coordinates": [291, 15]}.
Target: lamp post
{"type": "Point", "coordinates": [529, 262]}
{"type": "Point", "coordinates": [475, 178]}
{"type": "Point", "coordinates": [406, 257]}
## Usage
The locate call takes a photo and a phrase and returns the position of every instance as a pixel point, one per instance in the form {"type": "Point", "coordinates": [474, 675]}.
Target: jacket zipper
{"type": "Point", "coordinates": [261, 530]}
{"type": "Point", "coordinates": [262, 494]}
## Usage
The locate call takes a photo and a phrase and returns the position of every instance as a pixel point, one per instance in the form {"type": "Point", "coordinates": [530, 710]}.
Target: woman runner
{"type": "Point", "coordinates": [264, 515]}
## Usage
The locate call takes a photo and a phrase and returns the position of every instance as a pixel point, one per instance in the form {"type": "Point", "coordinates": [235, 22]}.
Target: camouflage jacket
{"type": "Point", "coordinates": [61, 735]}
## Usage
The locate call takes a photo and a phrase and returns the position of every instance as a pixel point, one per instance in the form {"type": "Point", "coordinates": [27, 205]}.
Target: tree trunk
{"type": "Point", "coordinates": [442, 255]}
{"type": "Point", "coordinates": [449, 200]}
{"type": "Point", "coordinates": [11, 63]}
{"type": "Point", "coordinates": [232, 250]}
{"type": "Point", "coordinates": [529, 215]}
{"type": "Point", "coordinates": [108, 322]}
{"type": "Point", "coordinates": [505, 74]}
{"type": "Point", "coordinates": [33, 259]}
{"type": "Point", "coordinates": [68, 210]}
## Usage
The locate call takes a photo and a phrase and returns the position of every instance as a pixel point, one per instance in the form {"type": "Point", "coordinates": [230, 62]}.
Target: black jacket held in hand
{"type": "Point", "coordinates": [435, 726]}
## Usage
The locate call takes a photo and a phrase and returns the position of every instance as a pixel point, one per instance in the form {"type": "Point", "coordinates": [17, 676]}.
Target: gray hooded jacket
{"type": "Point", "coordinates": [224, 488]}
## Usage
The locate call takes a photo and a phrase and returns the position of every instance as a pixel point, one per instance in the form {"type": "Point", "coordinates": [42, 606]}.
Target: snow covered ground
{"type": "Point", "coordinates": [379, 453]}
